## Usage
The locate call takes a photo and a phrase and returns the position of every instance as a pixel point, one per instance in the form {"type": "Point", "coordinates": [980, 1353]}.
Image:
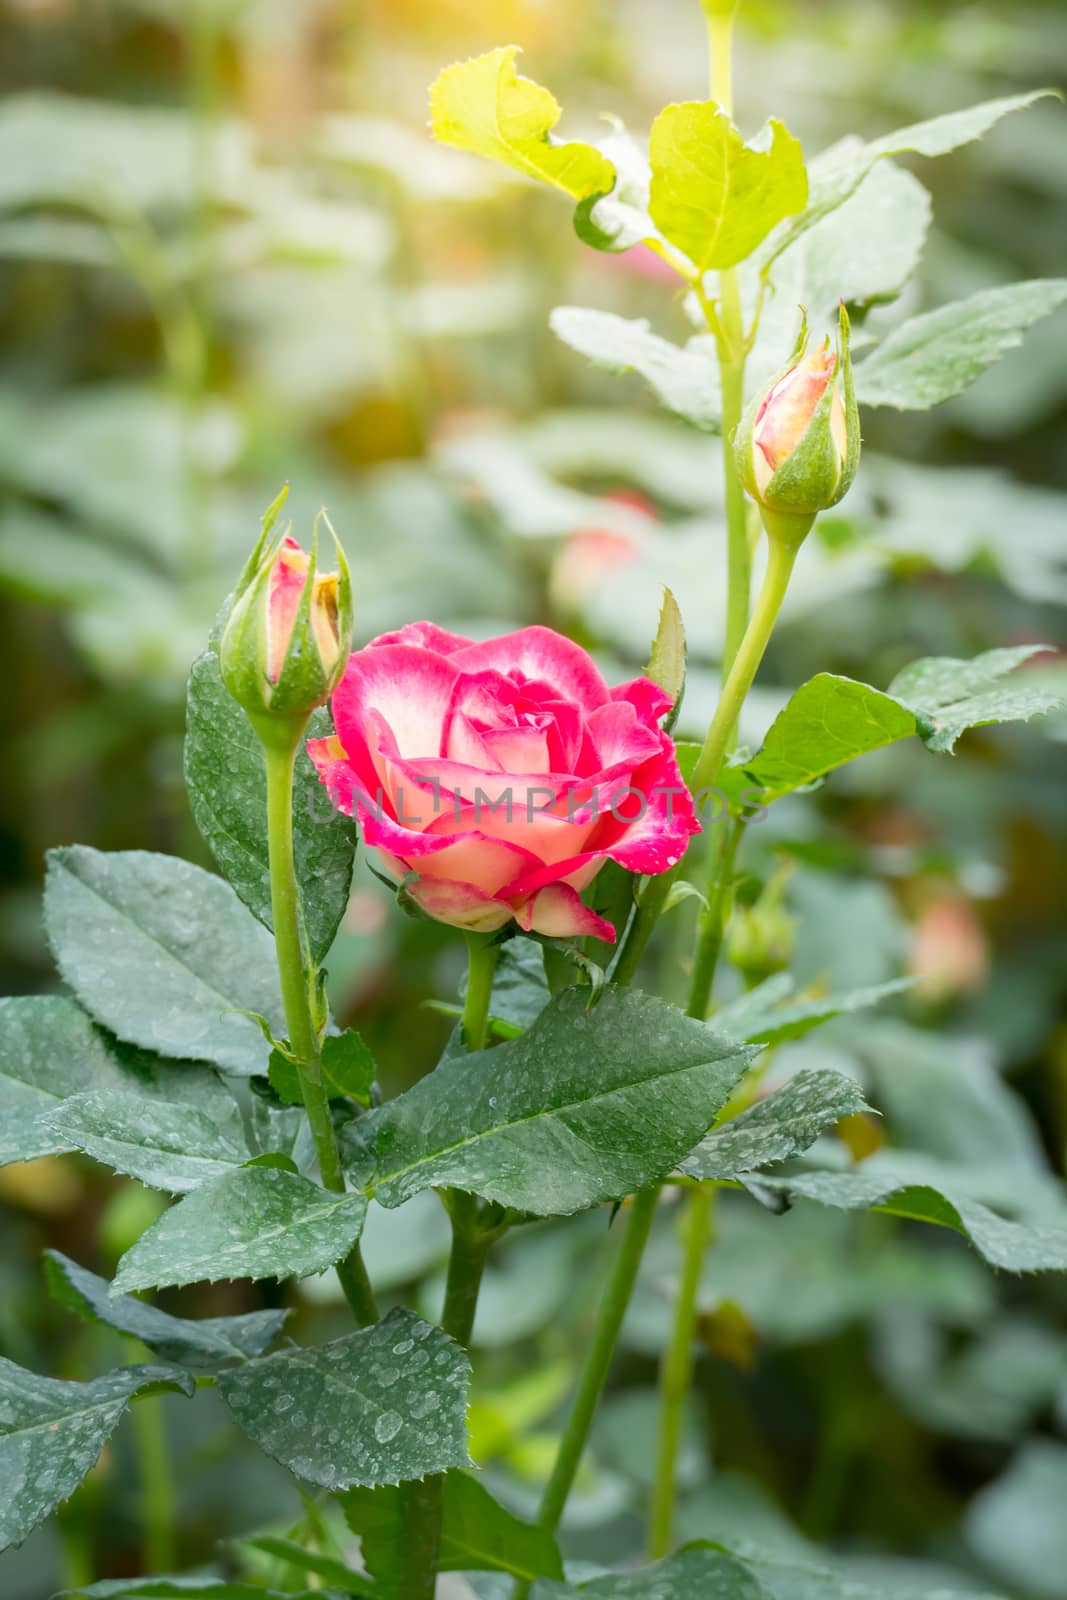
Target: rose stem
{"type": "Point", "coordinates": [297, 978]}
{"type": "Point", "coordinates": [423, 1500]}
{"type": "Point", "coordinates": [676, 1368]}
{"type": "Point", "coordinates": [157, 1482]}
{"type": "Point", "coordinates": [598, 1361]}
{"type": "Point", "coordinates": [482, 952]}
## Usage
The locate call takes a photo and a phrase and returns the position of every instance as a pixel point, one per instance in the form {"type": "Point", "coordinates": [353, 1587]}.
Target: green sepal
{"type": "Point", "coordinates": [267, 521]}
{"type": "Point", "coordinates": [852, 410]}
{"type": "Point", "coordinates": [279, 710]}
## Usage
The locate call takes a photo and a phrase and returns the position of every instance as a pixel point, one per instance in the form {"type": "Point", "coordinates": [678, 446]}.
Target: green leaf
{"type": "Point", "coordinates": [781, 1126]}
{"type": "Point", "coordinates": [937, 136]}
{"type": "Point", "coordinates": [257, 1222]}
{"type": "Point", "coordinates": [666, 664]}
{"type": "Point", "coordinates": [348, 1067]}
{"type": "Point", "coordinates": [185, 1587]}
{"type": "Point", "coordinates": [864, 253]}
{"type": "Point", "coordinates": [50, 1050]}
{"type": "Point", "coordinates": [759, 1017]}
{"type": "Point", "coordinates": [837, 173]}
{"type": "Point", "coordinates": [586, 1106]}
{"type": "Point", "coordinates": [684, 380]}
{"type": "Point", "coordinates": [709, 1574]}
{"type": "Point", "coordinates": [484, 106]}
{"type": "Point", "coordinates": [949, 696]}
{"type": "Point", "coordinates": [163, 953]}
{"type": "Point", "coordinates": [714, 196]}
{"type": "Point", "coordinates": [335, 1573]}
{"type": "Point", "coordinates": [225, 779]}
{"type": "Point", "coordinates": [930, 1191]}
{"type": "Point", "coordinates": [203, 1342]}
{"type": "Point", "coordinates": [379, 1406]}
{"type": "Point", "coordinates": [619, 220]}
{"type": "Point", "coordinates": [520, 990]}
{"type": "Point", "coordinates": [348, 1070]}
{"type": "Point", "coordinates": [51, 1433]}
{"type": "Point", "coordinates": [830, 720]}
{"type": "Point", "coordinates": [172, 1147]}
{"type": "Point", "coordinates": [477, 1533]}
{"type": "Point", "coordinates": [938, 355]}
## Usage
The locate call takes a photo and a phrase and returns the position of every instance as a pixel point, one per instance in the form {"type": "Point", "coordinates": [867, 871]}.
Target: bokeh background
{"type": "Point", "coordinates": [230, 256]}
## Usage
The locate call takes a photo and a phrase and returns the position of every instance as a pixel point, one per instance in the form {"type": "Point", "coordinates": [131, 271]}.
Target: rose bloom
{"type": "Point", "coordinates": [505, 774]}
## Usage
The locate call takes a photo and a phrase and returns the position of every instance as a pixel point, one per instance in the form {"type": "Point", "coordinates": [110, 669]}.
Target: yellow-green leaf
{"type": "Point", "coordinates": [483, 105]}
{"type": "Point", "coordinates": [713, 195]}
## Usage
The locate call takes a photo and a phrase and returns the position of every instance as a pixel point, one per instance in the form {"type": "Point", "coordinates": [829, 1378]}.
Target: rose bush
{"type": "Point", "coordinates": [504, 774]}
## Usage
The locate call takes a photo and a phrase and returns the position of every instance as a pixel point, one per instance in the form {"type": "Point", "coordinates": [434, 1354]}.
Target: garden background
{"type": "Point", "coordinates": [230, 255]}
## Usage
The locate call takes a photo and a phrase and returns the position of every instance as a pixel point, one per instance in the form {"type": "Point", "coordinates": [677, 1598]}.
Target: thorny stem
{"type": "Point", "coordinates": [423, 1500]}
{"type": "Point", "coordinates": [597, 1365]}
{"type": "Point", "coordinates": [482, 952]}
{"type": "Point", "coordinates": [712, 923]}
{"type": "Point", "coordinates": [676, 1370]}
{"type": "Point", "coordinates": [780, 561]}
{"type": "Point", "coordinates": [299, 983]}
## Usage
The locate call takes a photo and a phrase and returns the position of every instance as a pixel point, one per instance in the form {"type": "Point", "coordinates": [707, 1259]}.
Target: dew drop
{"type": "Point", "coordinates": [387, 1426]}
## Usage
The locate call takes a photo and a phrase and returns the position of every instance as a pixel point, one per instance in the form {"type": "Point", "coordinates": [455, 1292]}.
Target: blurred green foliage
{"type": "Point", "coordinates": [229, 256]}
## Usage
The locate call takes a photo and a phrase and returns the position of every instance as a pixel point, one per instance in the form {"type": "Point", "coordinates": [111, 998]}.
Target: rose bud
{"type": "Point", "coordinates": [799, 445]}
{"type": "Point", "coordinates": [762, 936]}
{"type": "Point", "coordinates": [949, 950]}
{"type": "Point", "coordinates": [286, 633]}
{"type": "Point", "coordinates": [494, 780]}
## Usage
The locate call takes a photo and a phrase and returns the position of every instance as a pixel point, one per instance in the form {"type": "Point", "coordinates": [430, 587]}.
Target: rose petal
{"type": "Point", "coordinates": [463, 743]}
{"type": "Point", "coordinates": [543, 654]}
{"type": "Point", "coordinates": [651, 843]}
{"type": "Point", "coordinates": [348, 776]}
{"type": "Point", "coordinates": [477, 858]}
{"type": "Point", "coordinates": [463, 905]}
{"type": "Point", "coordinates": [409, 688]}
{"type": "Point", "coordinates": [515, 817]}
{"type": "Point", "coordinates": [518, 749]}
{"type": "Point", "coordinates": [648, 699]}
{"type": "Point", "coordinates": [287, 582]}
{"type": "Point", "coordinates": [425, 634]}
{"type": "Point", "coordinates": [657, 840]}
{"type": "Point", "coordinates": [619, 736]}
{"type": "Point", "coordinates": [558, 913]}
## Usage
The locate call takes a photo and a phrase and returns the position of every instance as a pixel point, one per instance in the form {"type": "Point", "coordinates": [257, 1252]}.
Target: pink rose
{"type": "Point", "coordinates": [504, 774]}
